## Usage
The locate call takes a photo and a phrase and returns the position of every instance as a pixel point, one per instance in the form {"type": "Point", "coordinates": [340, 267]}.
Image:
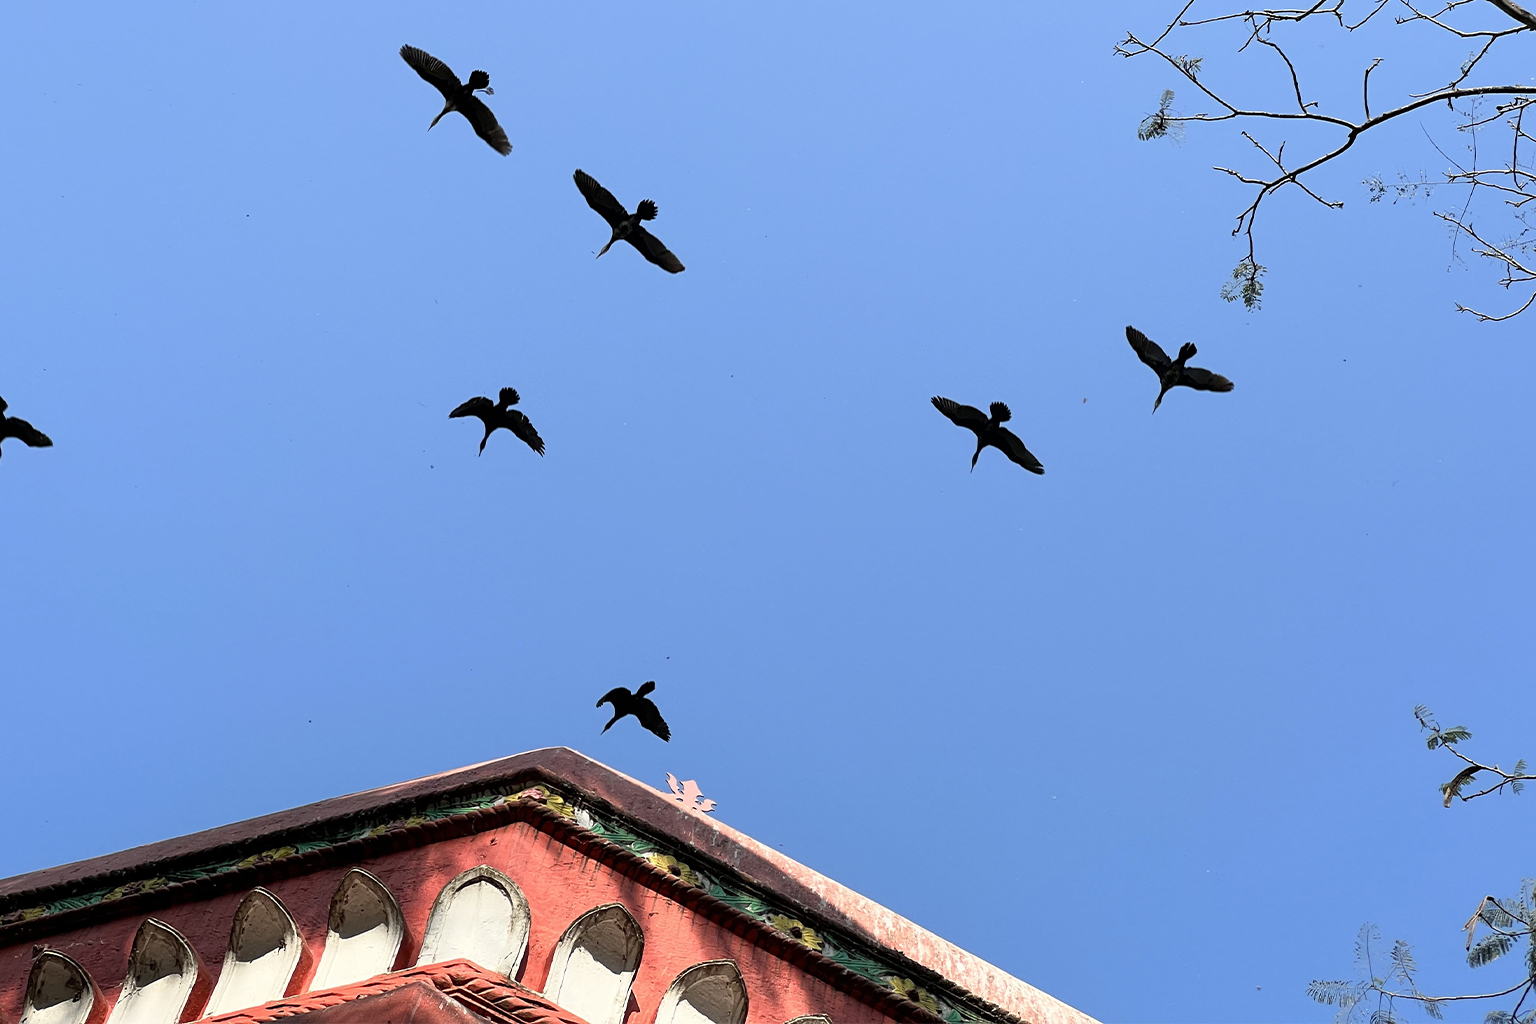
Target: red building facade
{"type": "Point", "coordinates": [542, 887]}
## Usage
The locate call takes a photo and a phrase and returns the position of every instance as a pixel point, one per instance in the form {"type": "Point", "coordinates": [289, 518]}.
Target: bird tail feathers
{"type": "Point", "coordinates": [479, 80]}
{"type": "Point", "coordinates": [1001, 412]}
{"type": "Point", "coordinates": [645, 688]}
{"type": "Point", "coordinates": [1187, 350]}
{"type": "Point", "coordinates": [646, 210]}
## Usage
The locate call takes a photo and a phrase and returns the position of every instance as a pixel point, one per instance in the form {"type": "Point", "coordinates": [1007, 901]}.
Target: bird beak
{"type": "Point", "coordinates": [605, 248]}
{"type": "Point", "coordinates": [439, 117]}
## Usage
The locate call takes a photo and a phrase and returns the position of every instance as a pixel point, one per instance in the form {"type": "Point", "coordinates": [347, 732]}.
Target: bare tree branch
{"type": "Point", "coordinates": [1514, 182]}
{"type": "Point", "coordinates": [1515, 11]}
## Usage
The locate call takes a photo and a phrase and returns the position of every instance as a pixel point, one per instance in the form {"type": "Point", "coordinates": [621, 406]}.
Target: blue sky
{"type": "Point", "coordinates": [1138, 731]}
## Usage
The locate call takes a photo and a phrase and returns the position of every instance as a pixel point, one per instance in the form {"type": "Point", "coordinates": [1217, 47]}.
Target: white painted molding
{"type": "Point", "coordinates": [595, 963]}
{"type": "Point", "coordinates": [162, 973]}
{"type": "Point", "coordinates": [364, 935]}
{"type": "Point", "coordinates": [482, 916]}
{"type": "Point", "coordinates": [59, 991]}
{"type": "Point", "coordinates": [264, 950]}
{"type": "Point", "coordinates": [811, 1018]}
{"type": "Point", "coordinates": [708, 993]}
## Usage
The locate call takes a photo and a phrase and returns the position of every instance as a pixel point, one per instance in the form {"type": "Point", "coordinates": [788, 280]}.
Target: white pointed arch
{"type": "Point", "coordinates": [708, 993]}
{"type": "Point", "coordinates": [264, 950]}
{"type": "Point", "coordinates": [162, 975]}
{"type": "Point", "coordinates": [480, 915]}
{"type": "Point", "coordinates": [59, 991]}
{"type": "Point", "coordinates": [811, 1018]}
{"type": "Point", "coordinates": [364, 933]}
{"type": "Point", "coordinates": [595, 963]}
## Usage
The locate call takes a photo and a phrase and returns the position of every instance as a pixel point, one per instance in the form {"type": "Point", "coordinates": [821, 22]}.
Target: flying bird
{"type": "Point", "coordinates": [496, 415]}
{"type": "Point", "coordinates": [21, 430]}
{"type": "Point", "coordinates": [989, 430]}
{"type": "Point", "coordinates": [626, 225]}
{"type": "Point", "coordinates": [460, 96]}
{"type": "Point", "coordinates": [637, 704]}
{"type": "Point", "coordinates": [1172, 372]}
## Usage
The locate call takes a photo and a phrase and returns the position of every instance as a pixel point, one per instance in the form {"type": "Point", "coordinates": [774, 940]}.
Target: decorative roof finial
{"type": "Point", "coordinates": [687, 794]}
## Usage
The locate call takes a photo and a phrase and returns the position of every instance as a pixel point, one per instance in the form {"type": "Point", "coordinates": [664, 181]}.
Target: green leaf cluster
{"type": "Point", "coordinates": [1157, 125]}
{"type": "Point", "coordinates": [1245, 284]}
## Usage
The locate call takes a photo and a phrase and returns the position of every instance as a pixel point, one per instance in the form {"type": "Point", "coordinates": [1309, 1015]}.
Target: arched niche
{"type": "Point", "coordinates": [162, 975]}
{"type": "Point", "coordinates": [59, 991]}
{"type": "Point", "coordinates": [594, 964]}
{"type": "Point", "coordinates": [264, 949]}
{"type": "Point", "coordinates": [708, 993]}
{"type": "Point", "coordinates": [482, 916]}
{"type": "Point", "coordinates": [364, 934]}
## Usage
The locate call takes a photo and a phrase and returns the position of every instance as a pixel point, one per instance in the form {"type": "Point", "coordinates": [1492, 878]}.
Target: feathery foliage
{"type": "Point", "coordinates": [1187, 64]}
{"type": "Point", "coordinates": [1160, 123]}
{"type": "Point", "coordinates": [1245, 284]}
{"type": "Point", "coordinates": [1488, 949]}
{"type": "Point", "coordinates": [1495, 928]}
{"type": "Point", "coordinates": [1446, 739]}
{"type": "Point", "coordinates": [1402, 962]}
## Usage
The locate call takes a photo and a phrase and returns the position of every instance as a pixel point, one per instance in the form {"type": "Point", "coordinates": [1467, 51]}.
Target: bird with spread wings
{"type": "Point", "coordinates": [460, 96]}
{"type": "Point", "coordinates": [1172, 373]}
{"type": "Point", "coordinates": [500, 415]}
{"type": "Point", "coordinates": [637, 704]}
{"type": "Point", "coordinates": [627, 225]}
{"type": "Point", "coordinates": [989, 430]}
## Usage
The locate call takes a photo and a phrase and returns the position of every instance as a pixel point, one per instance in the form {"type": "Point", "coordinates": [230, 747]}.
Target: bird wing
{"type": "Point", "coordinates": [484, 122]}
{"type": "Point", "coordinates": [600, 199]}
{"type": "Point", "coordinates": [1148, 351]}
{"type": "Point", "coordinates": [433, 70]}
{"type": "Point", "coordinates": [651, 248]}
{"type": "Point", "coordinates": [1016, 452]}
{"type": "Point", "coordinates": [650, 717]}
{"type": "Point", "coordinates": [24, 432]}
{"type": "Point", "coordinates": [523, 428]}
{"type": "Point", "coordinates": [477, 406]}
{"type": "Point", "coordinates": [613, 697]}
{"type": "Point", "coordinates": [961, 415]}
{"type": "Point", "coordinates": [1204, 380]}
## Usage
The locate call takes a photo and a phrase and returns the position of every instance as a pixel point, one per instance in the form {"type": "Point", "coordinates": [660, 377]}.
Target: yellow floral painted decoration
{"type": "Point", "coordinates": [267, 856]}
{"type": "Point", "coordinates": [133, 887]}
{"type": "Point", "coordinates": [920, 996]}
{"type": "Point", "coordinates": [796, 929]}
{"type": "Point", "coordinates": [672, 866]}
{"type": "Point", "coordinates": [558, 804]}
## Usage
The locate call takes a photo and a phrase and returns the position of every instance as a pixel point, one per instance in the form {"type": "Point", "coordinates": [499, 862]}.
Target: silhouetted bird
{"type": "Point", "coordinates": [1172, 372]}
{"type": "Point", "coordinates": [637, 704]}
{"type": "Point", "coordinates": [501, 414]}
{"type": "Point", "coordinates": [460, 96]}
{"type": "Point", "coordinates": [626, 225]}
{"type": "Point", "coordinates": [21, 430]}
{"type": "Point", "coordinates": [989, 431]}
